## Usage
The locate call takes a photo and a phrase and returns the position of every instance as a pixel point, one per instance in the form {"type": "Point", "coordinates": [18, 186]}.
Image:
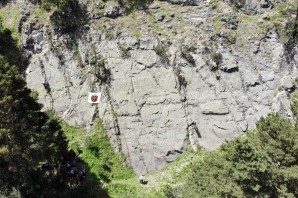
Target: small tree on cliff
{"type": "Point", "coordinates": [68, 16]}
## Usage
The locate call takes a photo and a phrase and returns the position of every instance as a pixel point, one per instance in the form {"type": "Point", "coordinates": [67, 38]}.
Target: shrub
{"type": "Point", "coordinates": [124, 51]}
{"type": "Point", "coordinates": [182, 83]}
{"type": "Point", "coordinates": [168, 191]}
{"type": "Point", "coordinates": [77, 54]}
{"type": "Point", "coordinates": [216, 57]}
{"type": "Point", "coordinates": [68, 17]}
{"type": "Point", "coordinates": [96, 151]}
{"type": "Point", "coordinates": [238, 3]}
{"type": "Point", "coordinates": [99, 69]}
{"type": "Point", "coordinates": [256, 165]}
{"type": "Point", "coordinates": [185, 53]}
{"type": "Point", "coordinates": [162, 52]}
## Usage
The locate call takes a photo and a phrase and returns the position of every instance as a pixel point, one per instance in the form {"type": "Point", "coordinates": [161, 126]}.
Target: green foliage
{"type": "Point", "coordinates": [256, 165]}
{"type": "Point", "coordinates": [185, 53]}
{"type": "Point", "coordinates": [168, 191]}
{"type": "Point", "coordinates": [122, 190]}
{"type": "Point", "coordinates": [238, 3]}
{"type": "Point", "coordinates": [89, 188]}
{"type": "Point", "coordinates": [68, 16]}
{"type": "Point", "coordinates": [294, 104]}
{"type": "Point", "coordinates": [9, 49]}
{"type": "Point", "coordinates": [28, 136]}
{"type": "Point", "coordinates": [288, 30]}
{"type": "Point", "coordinates": [34, 95]}
{"type": "Point", "coordinates": [133, 4]}
{"type": "Point", "coordinates": [216, 57]}
{"type": "Point", "coordinates": [162, 52]}
{"type": "Point", "coordinates": [99, 69]}
{"type": "Point", "coordinates": [210, 177]}
{"type": "Point", "coordinates": [182, 83]}
{"type": "Point", "coordinates": [287, 8]}
{"type": "Point", "coordinates": [77, 54]}
{"type": "Point", "coordinates": [124, 51]}
{"type": "Point", "coordinates": [95, 149]}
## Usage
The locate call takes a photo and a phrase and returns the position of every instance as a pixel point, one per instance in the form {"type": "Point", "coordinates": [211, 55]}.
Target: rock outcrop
{"type": "Point", "coordinates": [169, 83]}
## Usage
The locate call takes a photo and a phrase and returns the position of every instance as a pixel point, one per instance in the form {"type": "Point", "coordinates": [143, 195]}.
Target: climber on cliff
{"type": "Point", "coordinates": [46, 84]}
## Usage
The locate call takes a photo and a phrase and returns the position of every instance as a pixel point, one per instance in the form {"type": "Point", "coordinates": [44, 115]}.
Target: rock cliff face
{"type": "Point", "coordinates": [171, 75]}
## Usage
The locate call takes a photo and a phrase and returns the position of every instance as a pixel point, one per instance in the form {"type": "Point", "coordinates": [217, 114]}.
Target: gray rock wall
{"type": "Point", "coordinates": [152, 109]}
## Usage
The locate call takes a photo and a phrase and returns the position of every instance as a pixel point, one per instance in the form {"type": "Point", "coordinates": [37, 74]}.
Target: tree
{"type": "Point", "coordinates": [9, 49]}
{"type": "Point", "coordinates": [27, 137]}
{"type": "Point", "coordinates": [263, 163]}
{"type": "Point", "coordinates": [68, 16]}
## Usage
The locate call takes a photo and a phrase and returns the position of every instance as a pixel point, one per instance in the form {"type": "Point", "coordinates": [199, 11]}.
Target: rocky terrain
{"type": "Point", "coordinates": [172, 74]}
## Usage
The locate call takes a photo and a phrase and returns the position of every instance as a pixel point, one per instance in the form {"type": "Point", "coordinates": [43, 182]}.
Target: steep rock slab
{"type": "Point", "coordinates": [153, 110]}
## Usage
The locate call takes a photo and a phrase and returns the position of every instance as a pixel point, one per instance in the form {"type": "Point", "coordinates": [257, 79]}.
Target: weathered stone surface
{"type": "Point", "coordinates": [228, 63]}
{"type": "Point", "coordinates": [281, 104]}
{"type": "Point", "coordinates": [160, 17]}
{"type": "Point", "coordinates": [250, 78]}
{"type": "Point", "coordinates": [214, 107]}
{"type": "Point", "coordinates": [129, 42]}
{"type": "Point", "coordinates": [148, 43]}
{"type": "Point", "coordinates": [153, 107]}
{"type": "Point", "coordinates": [267, 76]}
{"type": "Point", "coordinates": [287, 82]}
{"type": "Point", "coordinates": [146, 58]}
{"type": "Point", "coordinates": [112, 11]}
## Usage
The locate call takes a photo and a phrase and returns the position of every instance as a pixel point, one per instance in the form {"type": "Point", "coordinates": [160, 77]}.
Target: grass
{"type": "Point", "coordinates": [77, 54]}
{"type": "Point", "coordinates": [106, 167]}
{"type": "Point", "coordinates": [40, 14]}
{"type": "Point", "coordinates": [160, 184]}
{"type": "Point", "coordinates": [95, 150]}
{"type": "Point", "coordinates": [162, 52]}
{"type": "Point", "coordinates": [10, 15]}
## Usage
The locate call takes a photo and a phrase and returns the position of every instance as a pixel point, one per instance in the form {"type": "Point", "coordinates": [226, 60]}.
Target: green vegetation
{"type": "Point", "coordinates": [165, 183]}
{"type": "Point", "coordinates": [211, 49]}
{"type": "Point", "coordinates": [182, 83]}
{"type": "Point", "coordinates": [262, 163]}
{"type": "Point", "coordinates": [95, 150]}
{"type": "Point", "coordinates": [124, 51]}
{"type": "Point", "coordinates": [10, 14]}
{"type": "Point", "coordinates": [39, 14]}
{"type": "Point", "coordinates": [216, 57]}
{"type": "Point", "coordinates": [162, 52]}
{"type": "Point", "coordinates": [68, 15]}
{"type": "Point", "coordinates": [98, 62]}
{"type": "Point", "coordinates": [9, 48]}
{"type": "Point", "coordinates": [238, 3]}
{"type": "Point", "coordinates": [132, 4]}
{"type": "Point", "coordinates": [185, 53]}
{"type": "Point", "coordinates": [28, 137]}
{"type": "Point", "coordinates": [77, 54]}
{"type": "Point", "coordinates": [286, 24]}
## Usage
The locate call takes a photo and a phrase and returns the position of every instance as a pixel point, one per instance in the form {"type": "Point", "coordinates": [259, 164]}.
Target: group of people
{"type": "Point", "coordinates": [70, 161]}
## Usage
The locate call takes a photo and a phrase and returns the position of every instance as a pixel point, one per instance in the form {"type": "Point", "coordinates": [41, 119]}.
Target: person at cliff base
{"type": "Point", "coordinates": [142, 179]}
